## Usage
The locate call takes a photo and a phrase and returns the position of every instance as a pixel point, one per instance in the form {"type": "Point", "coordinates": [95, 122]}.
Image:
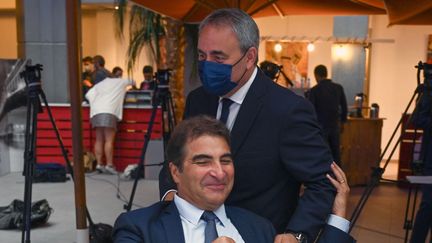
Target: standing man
{"type": "Point", "coordinates": [100, 72]}
{"type": "Point", "coordinates": [330, 104]}
{"type": "Point", "coordinates": [276, 141]}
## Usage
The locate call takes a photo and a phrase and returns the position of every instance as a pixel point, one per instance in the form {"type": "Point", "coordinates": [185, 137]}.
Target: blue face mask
{"type": "Point", "coordinates": [216, 77]}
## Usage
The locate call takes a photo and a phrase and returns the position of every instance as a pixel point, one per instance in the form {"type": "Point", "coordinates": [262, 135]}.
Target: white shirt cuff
{"type": "Point", "coordinates": [338, 222]}
{"type": "Point", "coordinates": [166, 193]}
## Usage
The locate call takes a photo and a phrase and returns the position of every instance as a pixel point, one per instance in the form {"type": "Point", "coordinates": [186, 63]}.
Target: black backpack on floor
{"type": "Point", "coordinates": [11, 216]}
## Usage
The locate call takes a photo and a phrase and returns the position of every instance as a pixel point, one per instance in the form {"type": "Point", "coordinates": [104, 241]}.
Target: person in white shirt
{"type": "Point", "coordinates": [106, 109]}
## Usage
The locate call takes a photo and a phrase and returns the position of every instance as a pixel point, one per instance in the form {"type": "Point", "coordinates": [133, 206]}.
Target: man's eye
{"type": "Point", "coordinates": [201, 162]}
{"type": "Point", "coordinates": [226, 161]}
{"type": "Point", "coordinates": [201, 57]}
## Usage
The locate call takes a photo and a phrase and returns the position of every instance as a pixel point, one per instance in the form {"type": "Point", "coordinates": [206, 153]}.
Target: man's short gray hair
{"type": "Point", "coordinates": [243, 26]}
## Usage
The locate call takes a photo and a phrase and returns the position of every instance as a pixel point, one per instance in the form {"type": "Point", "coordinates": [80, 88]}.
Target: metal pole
{"type": "Point", "coordinates": [73, 30]}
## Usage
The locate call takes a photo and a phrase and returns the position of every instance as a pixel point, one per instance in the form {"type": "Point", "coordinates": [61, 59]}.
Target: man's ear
{"type": "Point", "coordinates": [174, 172]}
{"type": "Point", "coordinates": [251, 56]}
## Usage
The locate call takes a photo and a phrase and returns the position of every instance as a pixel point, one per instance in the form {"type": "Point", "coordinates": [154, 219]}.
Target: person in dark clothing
{"type": "Point", "coordinates": [422, 118]}
{"type": "Point", "coordinates": [86, 75]}
{"type": "Point", "coordinates": [330, 104]}
{"type": "Point", "coordinates": [100, 73]}
{"type": "Point", "coordinates": [148, 83]}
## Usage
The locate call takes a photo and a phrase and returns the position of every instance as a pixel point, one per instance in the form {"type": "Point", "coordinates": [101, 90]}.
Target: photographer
{"type": "Point", "coordinates": [422, 118]}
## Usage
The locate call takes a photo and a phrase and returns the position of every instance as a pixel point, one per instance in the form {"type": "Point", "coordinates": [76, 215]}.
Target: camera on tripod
{"type": "Point", "coordinates": [162, 78]}
{"type": "Point", "coordinates": [271, 69]}
{"type": "Point", "coordinates": [427, 72]}
{"type": "Point", "coordinates": [32, 77]}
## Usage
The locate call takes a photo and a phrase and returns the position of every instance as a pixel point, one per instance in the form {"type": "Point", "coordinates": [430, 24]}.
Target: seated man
{"type": "Point", "coordinates": [201, 165]}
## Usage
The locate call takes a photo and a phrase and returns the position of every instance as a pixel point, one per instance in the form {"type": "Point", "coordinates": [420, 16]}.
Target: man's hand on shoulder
{"type": "Point", "coordinates": [223, 239]}
{"type": "Point", "coordinates": [285, 238]}
{"type": "Point", "coordinates": [169, 196]}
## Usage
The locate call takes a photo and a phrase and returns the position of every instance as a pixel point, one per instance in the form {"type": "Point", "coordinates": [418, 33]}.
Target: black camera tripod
{"type": "Point", "coordinates": [377, 171]}
{"type": "Point", "coordinates": [32, 77]}
{"type": "Point", "coordinates": [161, 97]}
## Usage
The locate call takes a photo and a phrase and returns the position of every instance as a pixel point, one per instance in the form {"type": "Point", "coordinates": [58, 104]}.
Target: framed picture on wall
{"type": "Point", "coordinates": [293, 56]}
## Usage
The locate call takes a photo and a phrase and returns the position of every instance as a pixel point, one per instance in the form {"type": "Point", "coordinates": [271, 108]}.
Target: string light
{"type": "Point", "coordinates": [278, 47]}
{"type": "Point", "coordinates": [310, 47]}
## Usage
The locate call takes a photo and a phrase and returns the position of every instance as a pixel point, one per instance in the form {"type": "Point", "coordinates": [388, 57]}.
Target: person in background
{"type": "Point", "coordinates": [117, 72]}
{"type": "Point", "coordinates": [201, 164]}
{"type": "Point", "coordinates": [148, 83]}
{"type": "Point", "coordinates": [106, 109]}
{"type": "Point", "coordinates": [422, 118]}
{"type": "Point", "coordinates": [86, 75]}
{"type": "Point", "coordinates": [276, 141]}
{"type": "Point", "coordinates": [100, 72]}
{"type": "Point", "coordinates": [330, 104]}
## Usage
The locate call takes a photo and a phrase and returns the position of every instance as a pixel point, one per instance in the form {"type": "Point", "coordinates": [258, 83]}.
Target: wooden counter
{"type": "Point", "coordinates": [360, 148]}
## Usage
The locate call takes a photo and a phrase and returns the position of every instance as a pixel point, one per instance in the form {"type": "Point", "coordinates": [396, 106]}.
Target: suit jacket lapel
{"type": "Point", "coordinates": [249, 109]}
{"type": "Point", "coordinates": [242, 227]}
{"type": "Point", "coordinates": [171, 222]}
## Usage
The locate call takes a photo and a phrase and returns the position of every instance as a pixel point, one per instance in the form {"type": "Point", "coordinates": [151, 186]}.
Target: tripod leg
{"type": "Point", "coordinates": [29, 160]}
{"type": "Point", "coordinates": [143, 152]}
{"type": "Point", "coordinates": [378, 171]}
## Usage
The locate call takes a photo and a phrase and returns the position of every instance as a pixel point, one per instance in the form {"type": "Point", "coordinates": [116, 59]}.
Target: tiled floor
{"type": "Point", "coordinates": [383, 215]}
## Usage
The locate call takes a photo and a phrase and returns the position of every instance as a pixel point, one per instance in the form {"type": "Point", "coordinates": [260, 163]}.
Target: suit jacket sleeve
{"type": "Point", "coordinates": [332, 234]}
{"type": "Point", "coordinates": [125, 231]}
{"type": "Point", "coordinates": [307, 158]}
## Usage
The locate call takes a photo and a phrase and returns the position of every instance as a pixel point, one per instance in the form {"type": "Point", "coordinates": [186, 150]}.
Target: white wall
{"type": "Point", "coordinates": [393, 76]}
{"type": "Point", "coordinates": [98, 38]}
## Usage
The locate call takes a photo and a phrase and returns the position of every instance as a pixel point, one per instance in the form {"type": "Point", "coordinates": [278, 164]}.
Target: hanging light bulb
{"type": "Point", "coordinates": [310, 47]}
{"type": "Point", "coordinates": [341, 51]}
{"type": "Point", "coordinates": [278, 47]}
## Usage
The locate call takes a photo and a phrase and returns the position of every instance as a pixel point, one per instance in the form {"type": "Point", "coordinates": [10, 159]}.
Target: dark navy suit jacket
{"type": "Point", "coordinates": [161, 223]}
{"type": "Point", "coordinates": [277, 145]}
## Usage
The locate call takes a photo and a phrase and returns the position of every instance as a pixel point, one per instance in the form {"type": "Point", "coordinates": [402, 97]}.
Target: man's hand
{"type": "Point", "coordinates": [285, 238]}
{"type": "Point", "coordinates": [223, 239]}
{"type": "Point", "coordinates": [169, 196]}
{"type": "Point", "coordinates": [341, 184]}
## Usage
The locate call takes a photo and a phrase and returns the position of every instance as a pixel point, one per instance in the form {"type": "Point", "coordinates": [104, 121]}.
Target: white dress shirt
{"type": "Point", "coordinates": [193, 225]}
{"type": "Point", "coordinates": [338, 222]}
{"type": "Point", "coordinates": [238, 98]}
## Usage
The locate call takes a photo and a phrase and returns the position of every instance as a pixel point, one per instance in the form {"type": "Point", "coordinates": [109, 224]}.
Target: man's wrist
{"type": "Point", "coordinates": [299, 236]}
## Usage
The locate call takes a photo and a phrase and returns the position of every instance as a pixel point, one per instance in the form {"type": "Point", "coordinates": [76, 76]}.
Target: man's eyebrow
{"type": "Point", "coordinates": [201, 156]}
{"type": "Point", "coordinates": [214, 52]}
{"type": "Point", "coordinates": [229, 155]}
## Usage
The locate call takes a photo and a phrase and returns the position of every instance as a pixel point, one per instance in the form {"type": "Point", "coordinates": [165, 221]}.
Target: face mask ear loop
{"type": "Point", "coordinates": [244, 54]}
{"type": "Point", "coordinates": [238, 62]}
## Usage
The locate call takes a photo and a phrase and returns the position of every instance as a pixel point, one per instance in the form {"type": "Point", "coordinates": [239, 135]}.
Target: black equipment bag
{"type": "Point", "coordinates": [100, 233]}
{"type": "Point", "coordinates": [11, 216]}
{"type": "Point", "coordinates": [49, 172]}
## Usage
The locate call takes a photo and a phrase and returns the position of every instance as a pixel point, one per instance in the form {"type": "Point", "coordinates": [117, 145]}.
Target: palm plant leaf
{"type": "Point", "coordinates": [145, 29]}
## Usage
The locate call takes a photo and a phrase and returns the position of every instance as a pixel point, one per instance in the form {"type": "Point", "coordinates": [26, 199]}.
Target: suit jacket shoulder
{"type": "Point", "coordinates": [252, 228]}
{"type": "Point", "coordinates": [149, 225]}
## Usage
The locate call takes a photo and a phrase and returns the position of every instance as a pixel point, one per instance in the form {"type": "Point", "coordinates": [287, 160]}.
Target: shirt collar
{"type": "Point", "coordinates": [240, 95]}
{"type": "Point", "coordinates": [193, 214]}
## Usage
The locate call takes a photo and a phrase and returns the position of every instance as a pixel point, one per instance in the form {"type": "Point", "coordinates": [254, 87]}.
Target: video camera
{"type": "Point", "coordinates": [271, 69]}
{"type": "Point", "coordinates": [162, 78]}
{"type": "Point", "coordinates": [427, 73]}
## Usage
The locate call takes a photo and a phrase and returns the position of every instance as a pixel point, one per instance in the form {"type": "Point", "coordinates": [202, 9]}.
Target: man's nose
{"type": "Point", "coordinates": [217, 170]}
